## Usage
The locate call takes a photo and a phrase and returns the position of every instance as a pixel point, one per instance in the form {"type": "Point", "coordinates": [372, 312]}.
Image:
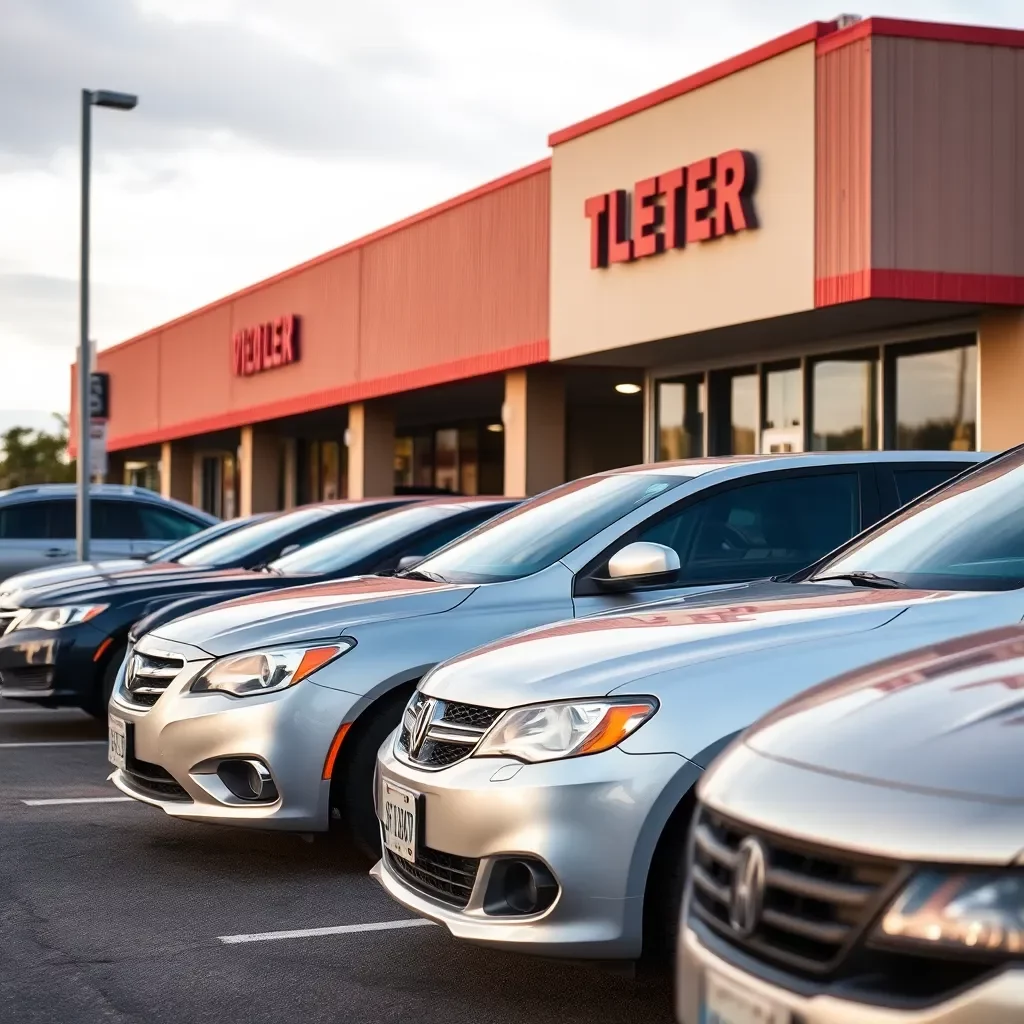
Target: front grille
{"type": "Point", "coordinates": [443, 876]}
{"type": "Point", "coordinates": [153, 780]}
{"type": "Point", "coordinates": [28, 677]}
{"type": "Point", "coordinates": [147, 676]}
{"type": "Point", "coordinates": [453, 732]}
{"type": "Point", "coordinates": [815, 903]}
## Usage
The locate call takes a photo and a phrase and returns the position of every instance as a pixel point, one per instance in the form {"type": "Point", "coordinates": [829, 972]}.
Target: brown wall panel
{"type": "Point", "coordinates": [843, 169]}
{"type": "Point", "coordinates": [469, 281]}
{"type": "Point", "coordinates": [947, 159]}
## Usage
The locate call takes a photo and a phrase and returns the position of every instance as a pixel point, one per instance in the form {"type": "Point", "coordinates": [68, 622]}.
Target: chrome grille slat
{"type": "Point", "coordinates": [453, 732]}
{"type": "Point", "coordinates": [815, 905]}
{"type": "Point", "coordinates": [149, 674]}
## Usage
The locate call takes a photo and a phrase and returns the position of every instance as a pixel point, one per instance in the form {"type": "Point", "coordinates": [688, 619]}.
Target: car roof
{"type": "Point", "coordinates": [741, 464]}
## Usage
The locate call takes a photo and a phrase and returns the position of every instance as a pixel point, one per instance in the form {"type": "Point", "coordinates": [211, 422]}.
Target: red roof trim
{"type": "Point", "coordinates": [773, 48]}
{"type": "Point", "coordinates": [920, 286]}
{"type": "Point", "coordinates": [427, 376]}
{"type": "Point", "coordinates": [929, 30]}
{"type": "Point", "coordinates": [491, 186]}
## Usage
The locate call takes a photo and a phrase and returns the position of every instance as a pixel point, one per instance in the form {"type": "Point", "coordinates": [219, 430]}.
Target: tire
{"type": "Point", "coordinates": [97, 704]}
{"type": "Point", "coordinates": [663, 901]}
{"type": "Point", "coordinates": [352, 782]}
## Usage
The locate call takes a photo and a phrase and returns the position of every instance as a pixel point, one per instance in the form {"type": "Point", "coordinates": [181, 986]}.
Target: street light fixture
{"type": "Point", "coordinates": [115, 101]}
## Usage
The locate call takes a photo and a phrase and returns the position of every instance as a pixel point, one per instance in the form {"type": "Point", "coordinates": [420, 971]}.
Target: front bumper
{"type": "Point", "coordinates": [592, 821]}
{"type": "Point", "coordinates": [53, 667]}
{"type": "Point", "coordinates": [188, 736]}
{"type": "Point", "coordinates": [997, 1000]}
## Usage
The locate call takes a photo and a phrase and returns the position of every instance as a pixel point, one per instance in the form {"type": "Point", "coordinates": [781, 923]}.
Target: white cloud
{"type": "Point", "coordinates": [268, 132]}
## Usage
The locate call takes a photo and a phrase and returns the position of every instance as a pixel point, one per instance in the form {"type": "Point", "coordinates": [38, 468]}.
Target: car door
{"type": "Point", "coordinates": [764, 525]}
{"type": "Point", "coordinates": [115, 528]}
{"type": "Point", "coordinates": [26, 537]}
{"type": "Point", "coordinates": [158, 526]}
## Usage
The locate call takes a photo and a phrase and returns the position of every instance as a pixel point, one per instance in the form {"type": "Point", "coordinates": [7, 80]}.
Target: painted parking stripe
{"type": "Point", "coordinates": [54, 743]}
{"type": "Point", "coordinates": [36, 711]}
{"type": "Point", "coordinates": [305, 933]}
{"type": "Point", "coordinates": [56, 801]}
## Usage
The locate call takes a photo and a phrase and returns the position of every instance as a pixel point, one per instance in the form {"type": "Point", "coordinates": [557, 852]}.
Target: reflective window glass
{"type": "Point", "coordinates": [935, 398]}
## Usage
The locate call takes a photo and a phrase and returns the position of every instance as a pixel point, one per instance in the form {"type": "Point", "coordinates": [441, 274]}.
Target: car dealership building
{"type": "Point", "coordinates": [817, 244]}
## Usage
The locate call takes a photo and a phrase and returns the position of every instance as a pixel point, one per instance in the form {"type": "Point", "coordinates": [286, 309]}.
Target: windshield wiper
{"type": "Point", "coordinates": [420, 574]}
{"type": "Point", "coordinates": [862, 579]}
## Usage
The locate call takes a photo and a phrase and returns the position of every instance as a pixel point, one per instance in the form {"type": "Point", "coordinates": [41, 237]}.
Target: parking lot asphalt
{"type": "Point", "coordinates": [110, 911]}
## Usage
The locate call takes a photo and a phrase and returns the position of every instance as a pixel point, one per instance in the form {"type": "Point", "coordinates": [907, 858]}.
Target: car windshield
{"type": "Point", "coordinates": [175, 550]}
{"type": "Point", "coordinates": [337, 551]}
{"type": "Point", "coordinates": [539, 532]}
{"type": "Point", "coordinates": [968, 535]}
{"type": "Point", "coordinates": [243, 542]}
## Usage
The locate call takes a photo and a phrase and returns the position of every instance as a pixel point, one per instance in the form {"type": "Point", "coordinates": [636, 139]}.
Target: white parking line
{"type": "Point", "coordinates": [304, 933]}
{"type": "Point", "coordinates": [34, 711]}
{"type": "Point", "coordinates": [54, 743]}
{"type": "Point", "coordinates": [55, 801]}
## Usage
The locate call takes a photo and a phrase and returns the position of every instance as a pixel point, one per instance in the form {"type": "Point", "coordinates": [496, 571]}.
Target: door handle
{"type": "Point", "coordinates": [54, 552]}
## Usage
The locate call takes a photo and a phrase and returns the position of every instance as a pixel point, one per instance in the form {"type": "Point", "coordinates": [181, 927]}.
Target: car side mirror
{"type": "Point", "coordinates": [288, 549]}
{"type": "Point", "coordinates": [408, 562]}
{"type": "Point", "coordinates": [640, 564]}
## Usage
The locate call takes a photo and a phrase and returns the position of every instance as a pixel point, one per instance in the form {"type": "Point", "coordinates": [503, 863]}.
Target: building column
{"type": "Point", "coordinates": [176, 471]}
{"type": "Point", "coordinates": [291, 471]}
{"type": "Point", "coordinates": [259, 471]}
{"type": "Point", "coordinates": [370, 439]}
{"type": "Point", "coordinates": [534, 419]}
{"type": "Point", "coordinates": [1000, 359]}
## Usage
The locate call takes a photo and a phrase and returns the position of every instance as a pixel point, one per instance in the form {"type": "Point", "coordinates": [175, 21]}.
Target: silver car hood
{"type": "Point", "coordinates": [593, 656]}
{"type": "Point", "coordinates": [312, 612]}
{"type": "Point", "coordinates": [947, 718]}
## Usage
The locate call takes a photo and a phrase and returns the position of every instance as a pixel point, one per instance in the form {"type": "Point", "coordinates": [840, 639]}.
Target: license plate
{"type": "Point", "coordinates": [117, 742]}
{"type": "Point", "coordinates": [398, 815]}
{"type": "Point", "coordinates": [726, 1003]}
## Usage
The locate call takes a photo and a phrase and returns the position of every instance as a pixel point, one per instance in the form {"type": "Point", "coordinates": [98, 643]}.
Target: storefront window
{"type": "Point", "coordinates": [446, 460]}
{"type": "Point", "coordinates": [843, 402]}
{"type": "Point", "coordinates": [469, 468]}
{"type": "Point", "coordinates": [934, 397]}
{"type": "Point", "coordinates": [681, 407]}
{"type": "Point", "coordinates": [733, 412]}
{"type": "Point", "coordinates": [783, 404]}
{"type": "Point", "coordinates": [403, 461]}
{"type": "Point", "coordinates": [330, 466]}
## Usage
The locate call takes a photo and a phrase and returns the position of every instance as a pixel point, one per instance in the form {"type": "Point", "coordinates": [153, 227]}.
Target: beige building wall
{"type": "Point", "coordinates": [768, 110]}
{"type": "Point", "coordinates": [259, 470]}
{"type": "Point", "coordinates": [534, 419]}
{"type": "Point", "coordinates": [176, 471]}
{"type": "Point", "coordinates": [1000, 360]}
{"type": "Point", "coordinates": [371, 450]}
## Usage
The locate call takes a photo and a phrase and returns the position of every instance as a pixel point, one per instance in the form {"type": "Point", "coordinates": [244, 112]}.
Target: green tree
{"type": "Point", "coordinates": [36, 456]}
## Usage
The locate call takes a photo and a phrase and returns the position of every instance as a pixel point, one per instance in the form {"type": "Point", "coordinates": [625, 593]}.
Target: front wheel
{"type": "Point", "coordinates": [352, 782]}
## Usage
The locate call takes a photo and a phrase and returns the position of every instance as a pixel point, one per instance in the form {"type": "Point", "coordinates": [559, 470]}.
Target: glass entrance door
{"type": "Point", "coordinates": [782, 423]}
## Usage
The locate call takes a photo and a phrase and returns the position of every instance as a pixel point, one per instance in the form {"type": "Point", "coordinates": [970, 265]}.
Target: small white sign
{"type": "Point", "coordinates": [98, 448]}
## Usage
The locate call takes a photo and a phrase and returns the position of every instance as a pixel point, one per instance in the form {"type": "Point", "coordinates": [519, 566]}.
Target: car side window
{"type": "Point", "coordinates": [165, 524]}
{"type": "Point", "coordinates": [912, 483]}
{"type": "Point", "coordinates": [763, 528]}
{"type": "Point", "coordinates": [114, 520]}
{"type": "Point", "coordinates": [60, 518]}
{"type": "Point", "coordinates": [447, 533]}
{"type": "Point", "coordinates": [23, 521]}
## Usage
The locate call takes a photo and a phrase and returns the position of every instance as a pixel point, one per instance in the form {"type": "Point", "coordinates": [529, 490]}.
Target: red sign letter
{"type": "Point", "coordinates": [289, 340]}
{"type": "Point", "coordinates": [596, 210]}
{"type": "Point", "coordinates": [620, 245]}
{"type": "Point", "coordinates": [648, 218]}
{"type": "Point", "coordinates": [700, 200]}
{"type": "Point", "coordinates": [737, 179]}
{"type": "Point", "coordinates": [671, 186]}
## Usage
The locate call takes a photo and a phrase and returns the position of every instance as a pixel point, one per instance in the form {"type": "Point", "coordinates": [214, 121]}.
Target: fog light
{"type": "Point", "coordinates": [519, 887]}
{"type": "Point", "coordinates": [249, 780]}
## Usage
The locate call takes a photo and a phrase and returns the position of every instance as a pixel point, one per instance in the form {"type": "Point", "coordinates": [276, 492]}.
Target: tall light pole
{"type": "Point", "coordinates": [90, 99]}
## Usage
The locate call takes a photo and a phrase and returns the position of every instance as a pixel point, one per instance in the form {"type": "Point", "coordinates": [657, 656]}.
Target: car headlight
{"type": "Point", "coordinates": [548, 732]}
{"type": "Point", "coordinates": [55, 618]}
{"type": "Point", "coordinates": [961, 910]}
{"type": "Point", "coordinates": [245, 675]}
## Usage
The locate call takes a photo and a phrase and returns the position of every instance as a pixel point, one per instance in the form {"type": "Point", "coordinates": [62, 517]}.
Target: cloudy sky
{"type": "Point", "coordinates": [272, 130]}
